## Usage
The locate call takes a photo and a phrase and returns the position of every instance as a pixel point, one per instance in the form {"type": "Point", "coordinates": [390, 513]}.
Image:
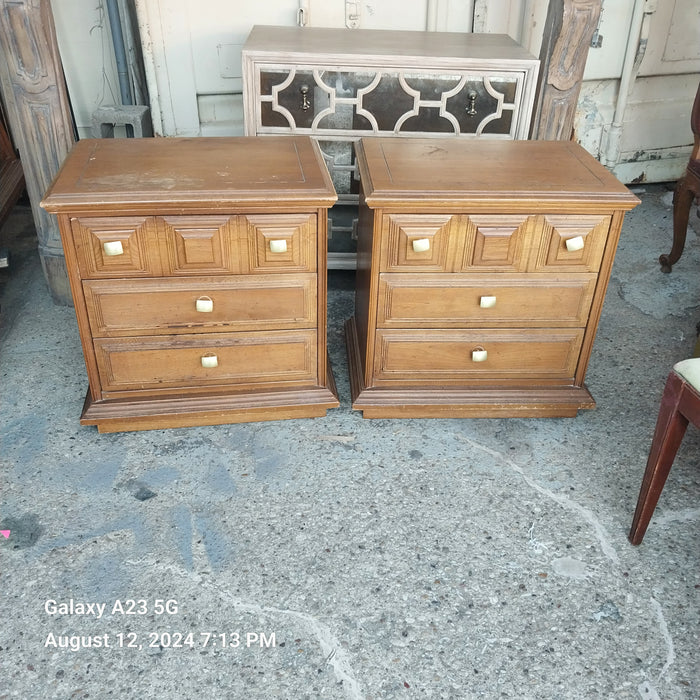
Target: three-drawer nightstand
{"type": "Point", "coordinates": [197, 269]}
{"type": "Point", "coordinates": [339, 85]}
{"type": "Point", "coordinates": [481, 272]}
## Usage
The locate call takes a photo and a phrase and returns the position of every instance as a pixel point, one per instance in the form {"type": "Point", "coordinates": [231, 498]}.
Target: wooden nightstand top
{"type": "Point", "coordinates": [163, 175]}
{"type": "Point", "coordinates": [513, 175]}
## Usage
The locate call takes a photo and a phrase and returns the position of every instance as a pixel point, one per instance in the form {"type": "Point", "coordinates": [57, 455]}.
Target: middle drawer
{"type": "Point", "coordinates": [490, 301]}
{"type": "Point", "coordinates": [159, 306]}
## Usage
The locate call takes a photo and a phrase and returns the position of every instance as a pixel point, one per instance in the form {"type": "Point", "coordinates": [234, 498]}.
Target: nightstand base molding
{"type": "Point", "coordinates": [189, 411]}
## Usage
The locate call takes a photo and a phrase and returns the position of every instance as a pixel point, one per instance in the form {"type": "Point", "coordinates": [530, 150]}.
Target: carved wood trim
{"type": "Point", "coordinates": [567, 36]}
{"type": "Point", "coordinates": [31, 78]}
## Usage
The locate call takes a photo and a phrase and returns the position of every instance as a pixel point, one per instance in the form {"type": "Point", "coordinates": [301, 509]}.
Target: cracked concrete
{"type": "Point", "coordinates": [345, 558]}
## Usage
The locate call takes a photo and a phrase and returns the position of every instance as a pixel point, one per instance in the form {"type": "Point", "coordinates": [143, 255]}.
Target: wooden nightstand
{"type": "Point", "coordinates": [482, 269]}
{"type": "Point", "coordinates": [194, 268]}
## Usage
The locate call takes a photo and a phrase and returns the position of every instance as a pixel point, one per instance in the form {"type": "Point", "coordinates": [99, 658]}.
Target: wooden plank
{"type": "Point", "coordinates": [567, 36]}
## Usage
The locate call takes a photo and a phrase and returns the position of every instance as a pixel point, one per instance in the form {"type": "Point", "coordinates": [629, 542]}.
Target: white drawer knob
{"type": "Point", "coordinates": [210, 361]}
{"type": "Point", "coordinates": [479, 355]}
{"type": "Point", "coordinates": [575, 243]}
{"type": "Point", "coordinates": [278, 246]}
{"type": "Point", "coordinates": [113, 248]}
{"type": "Point", "coordinates": [487, 302]}
{"type": "Point", "coordinates": [420, 245]}
{"type": "Point", "coordinates": [204, 305]}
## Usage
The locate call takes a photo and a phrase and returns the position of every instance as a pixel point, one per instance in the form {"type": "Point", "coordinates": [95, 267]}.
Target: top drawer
{"type": "Point", "coordinates": [493, 242]}
{"type": "Point", "coordinates": [365, 100]}
{"type": "Point", "coordinates": [109, 247]}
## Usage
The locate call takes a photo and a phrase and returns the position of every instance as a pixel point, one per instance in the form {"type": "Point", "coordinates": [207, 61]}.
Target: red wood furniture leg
{"type": "Point", "coordinates": [680, 404]}
{"type": "Point", "coordinates": [687, 189]}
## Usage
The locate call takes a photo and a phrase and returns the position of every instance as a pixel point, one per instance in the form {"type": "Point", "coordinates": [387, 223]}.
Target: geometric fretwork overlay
{"type": "Point", "coordinates": [386, 103]}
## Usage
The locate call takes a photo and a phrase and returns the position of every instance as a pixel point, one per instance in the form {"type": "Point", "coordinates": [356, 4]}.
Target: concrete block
{"type": "Point", "coordinates": [136, 119]}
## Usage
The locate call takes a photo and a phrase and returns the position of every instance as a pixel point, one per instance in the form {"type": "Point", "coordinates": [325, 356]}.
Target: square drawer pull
{"type": "Point", "coordinates": [574, 244]}
{"type": "Point", "coordinates": [113, 248]}
{"type": "Point", "coordinates": [204, 305]}
{"type": "Point", "coordinates": [420, 245]}
{"type": "Point", "coordinates": [487, 302]}
{"type": "Point", "coordinates": [278, 246]}
{"type": "Point", "coordinates": [479, 354]}
{"type": "Point", "coordinates": [210, 361]}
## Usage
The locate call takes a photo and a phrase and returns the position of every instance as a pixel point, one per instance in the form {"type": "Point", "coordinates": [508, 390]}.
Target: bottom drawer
{"type": "Point", "coordinates": [450, 357]}
{"type": "Point", "coordinates": [189, 361]}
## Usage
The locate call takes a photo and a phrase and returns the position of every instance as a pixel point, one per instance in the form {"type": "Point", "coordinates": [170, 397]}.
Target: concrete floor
{"type": "Point", "coordinates": [346, 558]}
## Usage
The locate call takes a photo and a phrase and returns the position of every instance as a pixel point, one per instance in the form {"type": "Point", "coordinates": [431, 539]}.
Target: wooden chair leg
{"type": "Point", "coordinates": [682, 200]}
{"type": "Point", "coordinates": [668, 435]}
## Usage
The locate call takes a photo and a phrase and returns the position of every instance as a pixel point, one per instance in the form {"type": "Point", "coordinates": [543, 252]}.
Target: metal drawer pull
{"type": "Point", "coordinates": [204, 305]}
{"type": "Point", "coordinates": [471, 107]}
{"type": "Point", "coordinates": [479, 354]}
{"type": "Point", "coordinates": [487, 302]}
{"type": "Point", "coordinates": [420, 245]}
{"type": "Point", "coordinates": [210, 361]}
{"type": "Point", "coordinates": [305, 104]}
{"type": "Point", "coordinates": [574, 244]}
{"type": "Point", "coordinates": [278, 246]}
{"type": "Point", "coordinates": [113, 248]}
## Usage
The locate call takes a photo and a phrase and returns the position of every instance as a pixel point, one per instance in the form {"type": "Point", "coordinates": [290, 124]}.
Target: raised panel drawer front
{"type": "Point", "coordinates": [280, 242]}
{"type": "Point", "coordinates": [420, 242]}
{"type": "Point", "coordinates": [279, 357]}
{"type": "Point", "coordinates": [498, 242]}
{"type": "Point", "coordinates": [201, 304]}
{"type": "Point", "coordinates": [201, 244]}
{"type": "Point", "coordinates": [572, 243]}
{"type": "Point", "coordinates": [454, 357]}
{"type": "Point", "coordinates": [389, 101]}
{"type": "Point", "coordinates": [441, 301]}
{"type": "Point", "coordinates": [120, 246]}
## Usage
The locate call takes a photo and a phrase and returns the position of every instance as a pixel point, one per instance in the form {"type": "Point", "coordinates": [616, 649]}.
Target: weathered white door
{"type": "Point", "coordinates": [639, 83]}
{"type": "Point", "coordinates": [634, 111]}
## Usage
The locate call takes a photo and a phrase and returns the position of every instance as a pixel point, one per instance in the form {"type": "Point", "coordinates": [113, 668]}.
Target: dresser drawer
{"type": "Point", "coordinates": [493, 242]}
{"type": "Point", "coordinates": [370, 100]}
{"type": "Point", "coordinates": [111, 247]}
{"type": "Point", "coordinates": [571, 243]}
{"type": "Point", "coordinates": [247, 359]}
{"type": "Point", "coordinates": [441, 301]}
{"type": "Point", "coordinates": [453, 357]}
{"type": "Point", "coordinates": [420, 242]}
{"type": "Point", "coordinates": [120, 246]}
{"type": "Point", "coordinates": [200, 304]}
{"type": "Point", "coordinates": [280, 242]}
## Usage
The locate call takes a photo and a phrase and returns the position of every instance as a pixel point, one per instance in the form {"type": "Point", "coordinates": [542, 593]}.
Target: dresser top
{"type": "Point", "coordinates": [522, 175]}
{"type": "Point", "coordinates": [366, 44]}
{"type": "Point", "coordinates": [204, 173]}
